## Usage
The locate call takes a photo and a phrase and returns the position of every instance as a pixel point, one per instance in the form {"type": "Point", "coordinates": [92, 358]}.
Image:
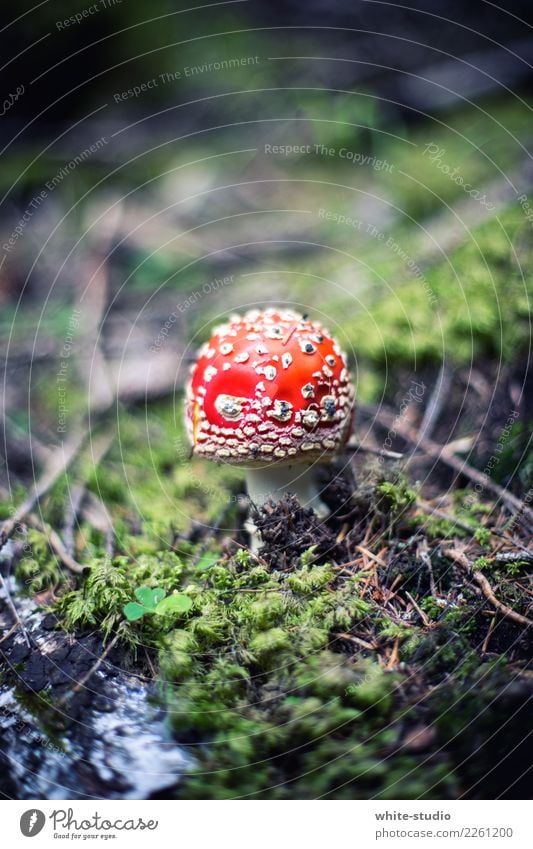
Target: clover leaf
{"type": "Point", "coordinates": [149, 598]}
{"type": "Point", "coordinates": [133, 611]}
{"type": "Point", "coordinates": [153, 601]}
{"type": "Point", "coordinates": [174, 604]}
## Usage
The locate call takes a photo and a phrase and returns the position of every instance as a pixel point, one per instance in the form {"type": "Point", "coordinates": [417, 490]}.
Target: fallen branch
{"type": "Point", "coordinates": [56, 544]}
{"type": "Point", "coordinates": [438, 452]}
{"type": "Point", "coordinates": [59, 461]}
{"type": "Point", "coordinates": [454, 520]}
{"type": "Point", "coordinates": [433, 512]}
{"type": "Point", "coordinates": [373, 557]}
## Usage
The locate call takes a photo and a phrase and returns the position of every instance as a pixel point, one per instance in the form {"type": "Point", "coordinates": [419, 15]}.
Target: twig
{"type": "Point", "coordinates": [423, 552]}
{"type": "Point", "coordinates": [341, 536]}
{"type": "Point", "coordinates": [461, 445]}
{"type": "Point", "coordinates": [96, 513]}
{"type": "Point", "coordinates": [367, 582]}
{"type": "Point", "coordinates": [392, 592]}
{"type": "Point", "coordinates": [461, 558]}
{"type": "Point", "coordinates": [507, 611]}
{"type": "Point", "coordinates": [59, 461]}
{"type": "Point", "coordinates": [357, 640]}
{"type": "Point", "coordinates": [373, 557]}
{"type": "Point", "coordinates": [514, 556]}
{"type": "Point", "coordinates": [394, 659]}
{"type": "Point", "coordinates": [454, 520]}
{"type": "Point", "coordinates": [150, 664]}
{"type": "Point", "coordinates": [490, 632]}
{"type": "Point", "coordinates": [353, 446]}
{"type": "Point", "coordinates": [342, 566]}
{"type": "Point", "coordinates": [28, 444]}
{"type": "Point", "coordinates": [77, 494]}
{"type": "Point", "coordinates": [448, 517]}
{"type": "Point", "coordinates": [437, 399]}
{"type": "Point", "coordinates": [464, 468]}
{"type": "Point", "coordinates": [256, 557]}
{"type": "Point", "coordinates": [11, 630]}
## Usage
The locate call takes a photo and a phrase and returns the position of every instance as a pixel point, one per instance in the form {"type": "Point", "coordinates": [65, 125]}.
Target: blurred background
{"type": "Point", "coordinates": [364, 161]}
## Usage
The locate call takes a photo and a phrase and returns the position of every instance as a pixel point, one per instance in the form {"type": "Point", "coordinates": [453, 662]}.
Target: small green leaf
{"type": "Point", "coordinates": [133, 611]}
{"type": "Point", "coordinates": [145, 596]}
{"type": "Point", "coordinates": [174, 604]}
{"type": "Point", "coordinates": [158, 595]}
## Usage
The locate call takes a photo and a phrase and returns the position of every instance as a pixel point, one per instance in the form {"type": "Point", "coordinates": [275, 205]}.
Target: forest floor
{"type": "Point", "coordinates": [381, 653]}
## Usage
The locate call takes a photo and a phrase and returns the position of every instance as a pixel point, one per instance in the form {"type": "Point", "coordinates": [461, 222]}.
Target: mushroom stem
{"type": "Point", "coordinates": [273, 482]}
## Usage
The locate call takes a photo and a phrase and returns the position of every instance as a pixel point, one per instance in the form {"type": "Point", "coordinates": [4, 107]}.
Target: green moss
{"type": "Point", "coordinates": [257, 673]}
{"type": "Point", "coordinates": [482, 536]}
{"type": "Point", "coordinates": [431, 606]}
{"type": "Point", "coordinates": [482, 294]}
{"type": "Point", "coordinates": [466, 510]}
{"type": "Point", "coordinates": [99, 599]}
{"type": "Point", "coordinates": [399, 495]}
{"type": "Point", "coordinates": [251, 662]}
{"type": "Point", "coordinates": [375, 689]}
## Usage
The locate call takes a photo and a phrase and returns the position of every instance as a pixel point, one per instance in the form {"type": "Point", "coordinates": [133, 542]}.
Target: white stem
{"type": "Point", "coordinates": [273, 482]}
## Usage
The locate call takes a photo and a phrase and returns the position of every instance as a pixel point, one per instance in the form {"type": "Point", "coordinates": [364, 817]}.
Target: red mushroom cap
{"type": "Point", "coordinates": [269, 386]}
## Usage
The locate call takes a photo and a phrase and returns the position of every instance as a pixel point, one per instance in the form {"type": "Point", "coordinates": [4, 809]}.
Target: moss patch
{"type": "Point", "coordinates": [300, 678]}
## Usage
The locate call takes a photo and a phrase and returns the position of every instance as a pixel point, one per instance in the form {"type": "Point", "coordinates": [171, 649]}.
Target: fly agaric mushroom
{"type": "Point", "coordinates": [271, 390]}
